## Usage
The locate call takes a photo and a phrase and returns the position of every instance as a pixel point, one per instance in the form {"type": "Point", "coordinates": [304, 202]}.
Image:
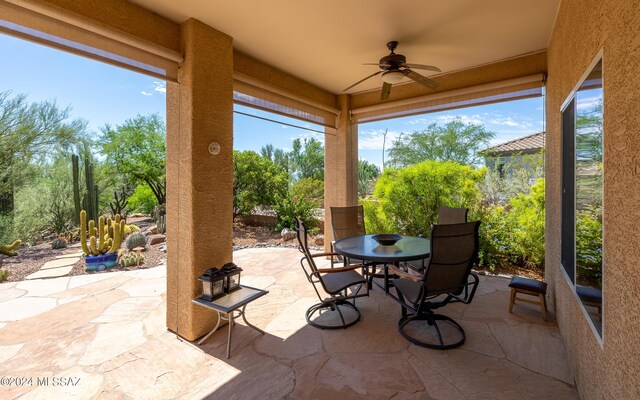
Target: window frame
{"type": "Point", "coordinates": [570, 101]}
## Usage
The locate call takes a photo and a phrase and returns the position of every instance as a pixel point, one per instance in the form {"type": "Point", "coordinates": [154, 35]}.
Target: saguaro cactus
{"type": "Point", "coordinates": [107, 238]}
{"type": "Point", "coordinates": [75, 169]}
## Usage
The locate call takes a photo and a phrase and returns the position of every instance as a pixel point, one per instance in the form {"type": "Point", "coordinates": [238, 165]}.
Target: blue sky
{"type": "Point", "coordinates": [100, 94]}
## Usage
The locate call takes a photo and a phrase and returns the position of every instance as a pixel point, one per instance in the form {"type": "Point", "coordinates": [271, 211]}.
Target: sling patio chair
{"type": "Point", "coordinates": [341, 284]}
{"type": "Point", "coordinates": [446, 215]}
{"type": "Point", "coordinates": [447, 278]}
{"type": "Point", "coordinates": [450, 215]}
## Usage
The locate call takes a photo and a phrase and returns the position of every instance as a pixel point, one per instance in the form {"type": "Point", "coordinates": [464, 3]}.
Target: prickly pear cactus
{"type": "Point", "coordinates": [136, 239]}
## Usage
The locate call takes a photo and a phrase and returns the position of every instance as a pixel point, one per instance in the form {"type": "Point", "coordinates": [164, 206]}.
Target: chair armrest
{"type": "Point", "coordinates": [406, 275]}
{"type": "Point", "coordinates": [324, 254]}
{"type": "Point", "coordinates": [340, 269]}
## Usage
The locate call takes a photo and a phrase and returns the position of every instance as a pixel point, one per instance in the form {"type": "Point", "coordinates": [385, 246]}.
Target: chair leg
{"type": "Point", "coordinates": [512, 299]}
{"type": "Point", "coordinates": [543, 306]}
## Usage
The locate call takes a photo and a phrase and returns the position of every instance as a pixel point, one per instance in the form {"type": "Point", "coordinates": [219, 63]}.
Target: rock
{"type": "Point", "coordinates": [287, 234]}
{"type": "Point", "coordinates": [155, 239]}
{"type": "Point", "coordinates": [319, 241]}
{"type": "Point", "coordinates": [152, 230]}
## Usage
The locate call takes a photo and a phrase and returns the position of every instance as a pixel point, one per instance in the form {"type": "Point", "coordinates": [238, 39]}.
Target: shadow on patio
{"type": "Point", "coordinates": [109, 331]}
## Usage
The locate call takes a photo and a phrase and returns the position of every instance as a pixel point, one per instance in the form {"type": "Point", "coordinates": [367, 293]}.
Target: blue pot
{"type": "Point", "coordinates": [100, 263]}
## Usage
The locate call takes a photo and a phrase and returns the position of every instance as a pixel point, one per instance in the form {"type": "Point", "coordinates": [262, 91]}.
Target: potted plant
{"type": "Point", "coordinates": [104, 241]}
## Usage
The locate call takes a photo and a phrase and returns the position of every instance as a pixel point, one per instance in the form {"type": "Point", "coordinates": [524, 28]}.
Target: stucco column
{"type": "Point", "coordinates": [340, 166]}
{"type": "Point", "coordinates": [199, 184]}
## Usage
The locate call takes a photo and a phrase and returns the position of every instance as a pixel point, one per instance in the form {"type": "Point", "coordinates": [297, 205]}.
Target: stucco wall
{"type": "Point", "coordinates": [582, 28]}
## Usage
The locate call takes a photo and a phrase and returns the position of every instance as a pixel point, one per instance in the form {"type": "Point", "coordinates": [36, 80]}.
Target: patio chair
{"type": "Point", "coordinates": [449, 215]}
{"type": "Point", "coordinates": [342, 285]}
{"type": "Point", "coordinates": [446, 215]}
{"type": "Point", "coordinates": [447, 278]}
{"type": "Point", "coordinates": [345, 222]}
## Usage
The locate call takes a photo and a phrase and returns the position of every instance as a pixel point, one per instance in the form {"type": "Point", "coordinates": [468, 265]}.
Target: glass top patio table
{"type": "Point", "coordinates": [363, 247]}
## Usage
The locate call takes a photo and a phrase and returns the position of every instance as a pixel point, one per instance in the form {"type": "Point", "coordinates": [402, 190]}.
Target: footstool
{"type": "Point", "coordinates": [530, 287]}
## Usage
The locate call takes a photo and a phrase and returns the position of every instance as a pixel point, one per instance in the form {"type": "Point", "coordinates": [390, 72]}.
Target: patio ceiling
{"type": "Point", "coordinates": [325, 43]}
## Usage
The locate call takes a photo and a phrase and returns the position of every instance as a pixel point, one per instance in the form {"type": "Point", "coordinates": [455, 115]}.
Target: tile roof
{"type": "Point", "coordinates": [528, 144]}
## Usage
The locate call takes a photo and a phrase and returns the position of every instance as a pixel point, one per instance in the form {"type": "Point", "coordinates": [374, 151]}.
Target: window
{"type": "Point", "coordinates": [582, 193]}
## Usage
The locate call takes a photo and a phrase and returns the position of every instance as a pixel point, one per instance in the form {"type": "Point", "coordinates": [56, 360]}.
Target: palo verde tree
{"type": "Point", "coordinates": [454, 141]}
{"type": "Point", "coordinates": [137, 150]}
{"type": "Point", "coordinates": [306, 160]}
{"type": "Point", "coordinates": [30, 133]}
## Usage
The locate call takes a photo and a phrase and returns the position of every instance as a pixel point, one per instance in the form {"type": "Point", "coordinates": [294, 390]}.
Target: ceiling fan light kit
{"type": "Point", "coordinates": [394, 68]}
{"type": "Point", "coordinates": [392, 76]}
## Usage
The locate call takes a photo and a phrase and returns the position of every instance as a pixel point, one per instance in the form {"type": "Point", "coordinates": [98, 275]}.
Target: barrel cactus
{"type": "Point", "coordinates": [59, 243]}
{"type": "Point", "coordinates": [136, 239]}
{"type": "Point", "coordinates": [131, 259]}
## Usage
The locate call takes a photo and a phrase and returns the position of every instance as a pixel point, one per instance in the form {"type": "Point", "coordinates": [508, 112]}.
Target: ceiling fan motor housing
{"type": "Point", "coordinates": [392, 61]}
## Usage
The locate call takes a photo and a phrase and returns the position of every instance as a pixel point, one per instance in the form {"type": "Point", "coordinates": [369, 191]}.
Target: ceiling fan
{"type": "Point", "coordinates": [394, 67]}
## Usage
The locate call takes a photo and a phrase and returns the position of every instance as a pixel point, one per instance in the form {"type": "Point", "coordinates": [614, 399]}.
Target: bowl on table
{"type": "Point", "coordinates": [386, 239]}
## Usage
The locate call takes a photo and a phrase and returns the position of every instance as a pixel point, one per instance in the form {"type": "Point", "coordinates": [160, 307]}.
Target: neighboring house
{"type": "Point", "coordinates": [514, 151]}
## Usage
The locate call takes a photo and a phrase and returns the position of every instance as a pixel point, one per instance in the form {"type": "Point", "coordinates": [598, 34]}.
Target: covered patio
{"type": "Point", "coordinates": [296, 61]}
{"type": "Point", "coordinates": [109, 331]}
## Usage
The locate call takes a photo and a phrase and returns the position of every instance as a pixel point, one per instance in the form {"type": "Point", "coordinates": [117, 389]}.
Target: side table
{"type": "Point", "coordinates": [227, 305]}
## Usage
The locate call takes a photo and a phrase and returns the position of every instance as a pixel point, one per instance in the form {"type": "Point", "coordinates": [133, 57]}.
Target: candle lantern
{"type": "Point", "coordinates": [213, 284]}
{"type": "Point", "coordinates": [232, 280]}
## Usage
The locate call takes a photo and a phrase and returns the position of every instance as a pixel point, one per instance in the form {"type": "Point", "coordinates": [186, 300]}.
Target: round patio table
{"type": "Point", "coordinates": [363, 247]}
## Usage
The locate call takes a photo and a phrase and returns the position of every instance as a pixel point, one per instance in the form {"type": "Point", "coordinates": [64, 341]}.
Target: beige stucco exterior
{"type": "Point", "coordinates": [582, 29]}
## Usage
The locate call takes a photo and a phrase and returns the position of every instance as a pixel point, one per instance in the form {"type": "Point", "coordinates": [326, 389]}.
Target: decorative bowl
{"type": "Point", "coordinates": [386, 239]}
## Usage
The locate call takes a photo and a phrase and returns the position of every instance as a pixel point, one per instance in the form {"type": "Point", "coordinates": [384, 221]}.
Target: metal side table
{"type": "Point", "coordinates": [227, 305]}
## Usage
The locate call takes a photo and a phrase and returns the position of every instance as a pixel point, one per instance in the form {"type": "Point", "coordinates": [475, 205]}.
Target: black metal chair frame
{"type": "Point", "coordinates": [423, 308]}
{"type": "Point", "coordinates": [337, 298]}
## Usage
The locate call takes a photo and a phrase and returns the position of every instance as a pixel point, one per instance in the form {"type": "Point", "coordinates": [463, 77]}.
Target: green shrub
{"type": "Point", "coordinates": [143, 200]}
{"type": "Point", "coordinates": [526, 218]}
{"type": "Point", "coordinates": [589, 246]}
{"type": "Point", "coordinates": [290, 206]}
{"type": "Point", "coordinates": [408, 199]}
{"type": "Point", "coordinates": [4, 274]}
{"type": "Point", "coordinates": [494, 235]}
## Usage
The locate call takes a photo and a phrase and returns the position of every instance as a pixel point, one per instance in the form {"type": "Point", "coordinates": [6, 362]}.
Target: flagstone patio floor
{"type": "Point", "coordinates": [104, 336]}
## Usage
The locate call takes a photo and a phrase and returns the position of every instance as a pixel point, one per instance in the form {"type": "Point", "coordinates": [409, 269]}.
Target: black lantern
{"type": "Point", "coordinates": [232, 277]}
{"type": "Point", "coordinates": [213, 284]}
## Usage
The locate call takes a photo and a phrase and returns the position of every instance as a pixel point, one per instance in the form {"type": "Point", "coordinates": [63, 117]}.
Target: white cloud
{"type": "Point", "coordinates": [467, 119]}
{"type": "Point", "coordinates": [588, 103]}
{"type": "Point", "coordinates": [373, 140]}
{"type": "Point", "coordinates": [146, 93]}
{"type": "Point", "coordinates": [160, 87]}
{"type": "Point", "coordinates": [521, 123]}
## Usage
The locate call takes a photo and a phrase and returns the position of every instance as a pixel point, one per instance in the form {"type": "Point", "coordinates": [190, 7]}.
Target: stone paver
{"type": "Point", "coordinates": [77, 254]}
{"type": "Point", "coordinates": [109, 330]}
{"type": "Point", "coordinates": [25, 307]}
{"type": "Point", "coordinates": [50, 273]}
{"type": "Point", "coordinates": [60, 262]}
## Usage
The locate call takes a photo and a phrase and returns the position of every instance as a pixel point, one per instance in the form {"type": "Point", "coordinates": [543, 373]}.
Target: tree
{"type": "Point", "coordinates": [137, 150]}
{"type": "Point", "coordinates": [257, 181]}
{"type": "Point", "coordinates": [278, 156]}
{"type": "Point", "coordinates": [306, 160]}
{"type": "Point", "coordinates": [30, 134]}
{"type": "Point", "coordinates": [455, 141]}
{"type": "Point", "coordinates": [367, 173]}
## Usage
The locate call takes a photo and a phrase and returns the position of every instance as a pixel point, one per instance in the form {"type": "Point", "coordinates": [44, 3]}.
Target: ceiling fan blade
{"type": "Point", "coordinates": [425, 67]}
{"type": "Point", "coordinates": [386, 90]}
{"type": "Point", "coordinates": [362, 80]}
{"type": "Point", "coordinates": [424, 81]}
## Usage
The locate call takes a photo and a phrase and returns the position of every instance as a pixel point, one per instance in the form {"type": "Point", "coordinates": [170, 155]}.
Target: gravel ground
{"type": "Point", "coordinates": [31, 258]}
